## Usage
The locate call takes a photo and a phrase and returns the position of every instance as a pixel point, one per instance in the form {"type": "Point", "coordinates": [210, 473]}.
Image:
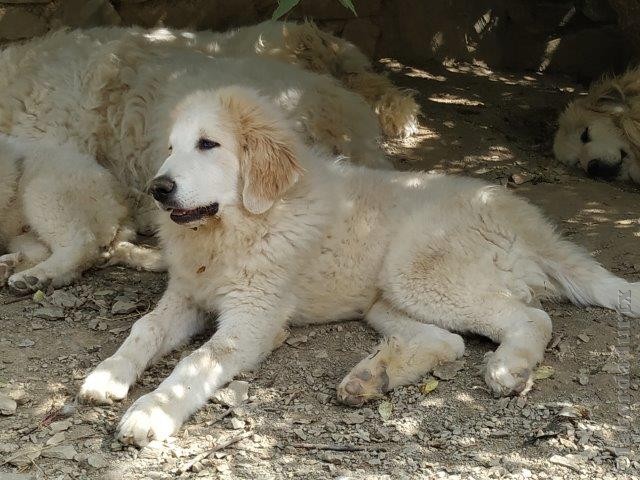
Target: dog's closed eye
{"type": "Point", "coordinates": [206, 144]}
{"type": "Point", "coordinates": [585, 137]}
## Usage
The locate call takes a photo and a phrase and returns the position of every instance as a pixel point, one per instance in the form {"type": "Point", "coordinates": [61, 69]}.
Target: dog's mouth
{"type": "Point", "coordinates": [182, 216]}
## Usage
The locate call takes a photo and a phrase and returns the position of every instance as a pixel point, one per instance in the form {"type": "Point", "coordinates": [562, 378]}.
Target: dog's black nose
{"type": "Point", "coordinates": [598, 168]}
{"type": "Point", "coordinates": [161, 188]}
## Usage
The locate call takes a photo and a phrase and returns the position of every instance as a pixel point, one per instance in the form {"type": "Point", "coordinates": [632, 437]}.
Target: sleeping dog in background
{"type": "Point", "coordinates": [265, 232]}
{"type": "Point", "coordinates": [60, 213]}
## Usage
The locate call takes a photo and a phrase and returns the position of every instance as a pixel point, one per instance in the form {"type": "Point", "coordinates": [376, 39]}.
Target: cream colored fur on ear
{"type": "Point", "coordinates": [267, 152]}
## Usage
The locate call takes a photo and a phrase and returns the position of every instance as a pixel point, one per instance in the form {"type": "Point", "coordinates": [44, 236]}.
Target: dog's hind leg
{"type": "Point", "coordinates": [409, 350]}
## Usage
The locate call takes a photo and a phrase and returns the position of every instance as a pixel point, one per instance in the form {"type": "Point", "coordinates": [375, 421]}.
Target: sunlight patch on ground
{"type": "Point", "coordinates": [455, 100]}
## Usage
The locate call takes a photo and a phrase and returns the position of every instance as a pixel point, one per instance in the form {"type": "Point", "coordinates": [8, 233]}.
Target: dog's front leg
{"type": "Point", "coordinates": [242, 340]}
{"type": "Point", "coordinates": [174, 320]}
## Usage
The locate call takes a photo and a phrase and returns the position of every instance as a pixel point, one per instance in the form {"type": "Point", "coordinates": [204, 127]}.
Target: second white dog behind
{"type": "Point", "coordinates": [60, 213]}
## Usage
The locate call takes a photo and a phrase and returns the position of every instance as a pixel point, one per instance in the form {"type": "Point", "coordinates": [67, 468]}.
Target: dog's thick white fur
{"type": "Point", "coordinates": [600, 132]}
{"type": "Point", "coordinates": [106, 94]}
{"type": "Point", "coordinates": [59, 213]}
{"type": "Point", "coordinates": [265, 233]}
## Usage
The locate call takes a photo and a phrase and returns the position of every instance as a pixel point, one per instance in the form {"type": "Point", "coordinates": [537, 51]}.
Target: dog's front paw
{"type": "Point", "coordinates": [366, 381]}
{"type": "Point", "coordinates": [26, 282]}
{"type": "Point", "coordinates": [108, 382]}
{"type": "Point", "coordinates": [151, 417]}
{"type": "Point", "coordinates": [508, 375]}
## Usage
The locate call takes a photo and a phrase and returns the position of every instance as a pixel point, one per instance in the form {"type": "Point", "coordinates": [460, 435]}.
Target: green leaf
{"type": "Point", "coordinates": [349, 4]}
{"type": "Point", "coordinates": [284, 6]}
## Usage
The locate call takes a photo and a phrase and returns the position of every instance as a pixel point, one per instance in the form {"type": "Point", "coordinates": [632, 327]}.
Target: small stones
{"type": "Point", "coordinates": [56, 439]}
{"type": "Point", "coordinates": [448, 371]}
{"type": "Point", "coordinates": [570, 461]}
{"type": "Point", "coordinates": [25, 457]}
{"type": "Point", "coordinates": [583, 379]}
{"type": "Point", "coordinates": [543, 372]}
{"type": "Point", "coordinates": [8, 405]}
{"type": "Point", "coordinates": [385, 409]}
{"type": "Point", "coordinates": [49, 313]}
{"type": "Point", "coordinates": [294, 341]}
{"type": "Point", "coordinates": [429, 386]}
{"type": "Point", "coordinates": [234, 394]}
{"type": "Point", "coordinates": [237, 424]}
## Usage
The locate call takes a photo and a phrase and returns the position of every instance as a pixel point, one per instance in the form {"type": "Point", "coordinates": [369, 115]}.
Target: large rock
{"type": "Point", "coordinates": [86, 14]}
{"type": "Point", "coordinates": [17, 24]}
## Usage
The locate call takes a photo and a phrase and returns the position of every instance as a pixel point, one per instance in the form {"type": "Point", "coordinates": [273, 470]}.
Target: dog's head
{"type": "Point", "coordinates": [227, 148]}
{"type": "Point", "coordinates": [599, 134]}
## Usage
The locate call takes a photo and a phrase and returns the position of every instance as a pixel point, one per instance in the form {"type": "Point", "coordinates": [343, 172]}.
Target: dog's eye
{"type": "Point", "coordinates": [206, 144]}
{"type": "Point", "coordinates": [585, 137]}
{"type": "Point", "coordinates": [170, 148]}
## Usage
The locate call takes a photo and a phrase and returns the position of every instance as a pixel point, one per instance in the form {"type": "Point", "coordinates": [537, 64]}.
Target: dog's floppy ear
{"type": "Point", "coordinates": [267, 152]}
{"type": "Point", "coordinates": [612, 101]}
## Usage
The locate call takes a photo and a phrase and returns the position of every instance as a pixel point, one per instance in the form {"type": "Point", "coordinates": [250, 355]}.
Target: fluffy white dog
{"type": "Point", "coordinates": [600, 133]}
{"type": "Point", "coordinates": [102, 97]}
{"type": "Point", "coordinates": [265, 233]}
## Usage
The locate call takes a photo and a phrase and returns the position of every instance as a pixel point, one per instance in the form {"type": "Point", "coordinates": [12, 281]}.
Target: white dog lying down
{"type": "Point", "coordinates": [104, 96]}
{"type": "Point", "coordinates": [265, 233]}
{"type": "Point", "coordinates": [60, 212]}
{"type": "Point", "coordinates": [600, 132]}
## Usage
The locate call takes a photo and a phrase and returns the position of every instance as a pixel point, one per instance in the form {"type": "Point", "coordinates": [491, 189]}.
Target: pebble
{"type": "Point", "coordinates": [584, 337]}
{"type": "Point", "coordinates": [49, 313]}
{"type": "Point", "coordinates": [60, 426]}
{"type": "Point", "coordinates": [62, 298]}
{"type": "Point", "coordinates": [27, 342]}
{"type": "Point", "coordinates": [583, 379]}
{"type": "Point", "coordinates": [25, 457]}
{"type": "Point", "coordinates": [237, 424]}
{"type": "Point", "coordinates": [8, 405]}
{"type": "Point", "coordinates": [56, 439]}
{"type": "Point", "coordinates": [569, 461]}
{"type": "Point", "coordinates": [234, 394]}
{"type": "Point", "coordinates": [122, 307]}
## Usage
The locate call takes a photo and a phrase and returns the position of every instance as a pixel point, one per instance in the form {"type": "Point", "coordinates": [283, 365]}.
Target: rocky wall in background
{"type": "Point", "coordinates": [581, 38]}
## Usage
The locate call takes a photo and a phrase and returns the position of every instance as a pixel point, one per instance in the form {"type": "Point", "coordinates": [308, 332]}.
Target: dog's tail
{"type": "Point", "coordinates": [322, 52]}
{"type": "Point", "coordinates": [585, 282]}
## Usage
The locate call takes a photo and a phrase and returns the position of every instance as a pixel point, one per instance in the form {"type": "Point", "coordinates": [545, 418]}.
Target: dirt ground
{"type": "Point", "coordinates": [581, 421]}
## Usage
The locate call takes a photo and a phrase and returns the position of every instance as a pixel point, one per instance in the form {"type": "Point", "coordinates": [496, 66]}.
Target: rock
{"type": "Point", "coordinates": [569, 461]}
{"type": "Point", "coordinates": [96, 460]}
{"type": "Point", "coordinates": [122, 307]}
{"type": "Point", "coordinates": [49, 313]}
{"type": "Point", "coordinates": [323, 397]}
{"type": "Point", "coordinates": [353, 418]}
{"type": "Point", "coordinates": [62, 452]}
{"type": "Point", "coordinates": [237, 424]}
{"type": "Point", "coordinates": [25, 457]}
{"type": "Point", "coordinates": [16, 476]}
{"type": "Point", "coordinates": [8, 405]}
{"type": "Point", "coordinates": [86, 13]}
{"type": "Point", "coordinates": [25, 343]}
{"type": "Point", "coordinates": [8, 447]}
{"type": "Point", "coordinates": [234, 394]}
{"type": "Point", "coordinates": [583, 379]}
{"type": "Point", "coordinates": [60, 426]}
{"type": "Point", "coordinates": [56, 439]}
{"type": "Point", "coordinates": [448, 371]}
{"type": "Point", "coordinates": [62, 298]}
{"type": "Point", "coordinates": [300, 434]}
{"type": "Point", "coordinates": [584, 337]}
{"type": "Point", "coordinates": [611, 367]}
{"type": "Point", "coordinates": [297, 340]}
{"type": "Point", "coordinates": [16, 24]}
{"type": "Point", "coordinates": [385, 409]}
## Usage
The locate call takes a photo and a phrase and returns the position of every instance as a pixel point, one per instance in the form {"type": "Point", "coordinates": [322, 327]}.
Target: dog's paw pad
{"type": "Point", "coordinates": [28, 283]}
{"type": "Point", "coordinates": [146, 420]}
{"type": "Point", "coordinates": [361, 385]}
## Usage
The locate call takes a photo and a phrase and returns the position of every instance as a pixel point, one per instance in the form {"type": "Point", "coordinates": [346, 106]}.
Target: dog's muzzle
{"type": "Point", "coordinates": [162, 188]}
